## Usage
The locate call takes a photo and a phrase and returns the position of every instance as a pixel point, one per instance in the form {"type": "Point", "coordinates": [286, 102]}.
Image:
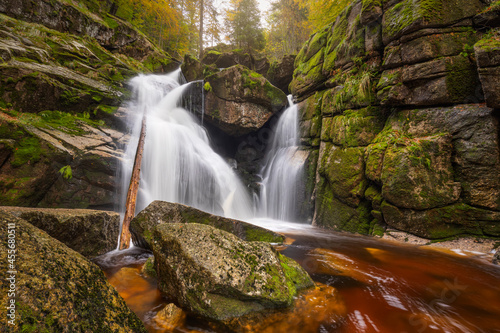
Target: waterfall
{"type": "Point", "coordinates": [178, 163]}
{"type": "Point", "coordinates": [282, 173]}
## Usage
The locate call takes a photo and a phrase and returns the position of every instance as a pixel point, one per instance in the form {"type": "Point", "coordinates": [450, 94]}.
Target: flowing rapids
{"type": "Point", "coordinates": [363, 285]}
{"type": "Point", "coordinates": [178, 163]}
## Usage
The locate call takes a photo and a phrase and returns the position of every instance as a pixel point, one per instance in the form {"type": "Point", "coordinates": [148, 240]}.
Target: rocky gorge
{"type": "Point", "coordinates": [399, 129]}
{"type": "Point", "coordinates": [399, 114]}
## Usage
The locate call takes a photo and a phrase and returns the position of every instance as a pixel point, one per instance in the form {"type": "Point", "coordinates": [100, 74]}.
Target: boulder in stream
{"type": "Point", "coordinates": [57, 289]}
{"type": "Point", "coordinates": [159, 212]}
{"type": "Point", "coordinates": [215, 275]}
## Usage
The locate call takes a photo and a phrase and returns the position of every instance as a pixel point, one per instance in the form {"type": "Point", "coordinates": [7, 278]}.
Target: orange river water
{"type": "Point", "coordinates": [362, 285]}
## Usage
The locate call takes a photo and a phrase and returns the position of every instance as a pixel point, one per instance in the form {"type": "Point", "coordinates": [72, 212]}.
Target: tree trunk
{"type": "Point", "coordinates": [133, 189]}
{"type": "Point", "coordinates": [201, 28]}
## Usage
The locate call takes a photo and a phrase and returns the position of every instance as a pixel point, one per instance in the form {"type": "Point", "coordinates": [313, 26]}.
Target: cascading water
{"type": "Point", "coordinates": [283, 170]}
{"type": "Point", "coordinates": [178, 163]}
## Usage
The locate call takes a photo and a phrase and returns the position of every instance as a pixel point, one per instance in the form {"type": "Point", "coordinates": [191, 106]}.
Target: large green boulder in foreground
{"type": "Point", "coordinates": [57, 289]}
{"type": "Point", "coordinates": [214, 274]}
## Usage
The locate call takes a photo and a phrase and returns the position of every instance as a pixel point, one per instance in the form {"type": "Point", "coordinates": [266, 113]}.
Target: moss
{"type": "Point", "coordinates": [402, 15]}
{"type": "Point", "coordinates": [28, 150]}
{"type": "Point", "coordinates": [207, 86]}
{"type": "Point", "coordinates": [461, 79]}
{"type": "Point", "coordinates": [149, 268]}
{"type": "Point", "coordinates": [262, 235]}
{"type": "Point", "coordinates": [378, 230]}
{"type": "Point", "coordinates": [295, 274]}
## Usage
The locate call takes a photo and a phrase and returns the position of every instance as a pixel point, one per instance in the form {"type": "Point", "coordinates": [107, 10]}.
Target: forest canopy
{"type": "Point", "coordinates": [188, 26]}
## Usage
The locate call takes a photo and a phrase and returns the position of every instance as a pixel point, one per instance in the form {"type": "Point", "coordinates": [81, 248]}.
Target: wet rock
{"type": "Point", "coordinates": [88, 232]}
{"type": "Point", "coordinates": [215, 275]}
{"type": "Point", "coordinates": [239, 101]}
{"type": "Point", "coordinates": [161, 212]}
{"type": "Point", "coordinates": [170, 317]}
{"type": "Point", "coordinates": [57, 289]}
{"type": "Point", "coordinates": [496, 258]}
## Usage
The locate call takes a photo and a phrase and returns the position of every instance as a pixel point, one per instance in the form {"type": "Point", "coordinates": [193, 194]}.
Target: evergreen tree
{"type": "Point", "coordinates": [243, 25]}
{"type": "Point", "coordinates": [288, 28]}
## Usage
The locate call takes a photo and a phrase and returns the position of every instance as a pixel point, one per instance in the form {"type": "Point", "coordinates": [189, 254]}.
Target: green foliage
{"type": "Point", "coordinates": [243, 24]}
{"type": "Point", "coordinates": [288, 29]}
{"type": "Point", "coordinates": [207, 86]}
{"type": "Point", "coordinates": [28, 150]}
{"type": "Point", "coordinates": [66, 172]}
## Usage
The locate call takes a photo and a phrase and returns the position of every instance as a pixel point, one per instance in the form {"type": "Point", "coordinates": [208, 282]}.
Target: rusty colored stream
{"type": "Point", "coordinates": [363, 285]}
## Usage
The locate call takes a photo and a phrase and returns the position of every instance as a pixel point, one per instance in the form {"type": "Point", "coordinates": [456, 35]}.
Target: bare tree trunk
{"type": "Point", "coordinates": [133, 189]}
{"type": "Point", "coordinates": [201, 28]}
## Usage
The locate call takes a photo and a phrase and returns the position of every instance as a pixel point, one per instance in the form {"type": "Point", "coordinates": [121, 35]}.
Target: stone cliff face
{"type": "Point", "coordinates": [62, 70]}
{"type": "Point", "coordinates": [398, 104]}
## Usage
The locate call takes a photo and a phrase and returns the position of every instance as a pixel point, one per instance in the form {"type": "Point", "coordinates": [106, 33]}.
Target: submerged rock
{"type": "Point", "coordinates": [57, 289]}
{"type": "Point", "coordinates": [214, 274]}
{"type": "Point", "coordinates": [160, 212]}
{"type": "Point", "coordinates": [88, 232]}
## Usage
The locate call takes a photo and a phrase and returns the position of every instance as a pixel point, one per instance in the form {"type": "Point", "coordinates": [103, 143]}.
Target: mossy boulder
{"type": "Point", "coordinates": [444, 222]}
{"type": "Point", "coordinates": [160, 212]}
{"type": "Point", "coordinates": [213, 274]}
{"type": "Point", "coordinates": [89, 232]}
{"type": "Point", "coordinates": [241, 101]}
{"type": "Point", "coordinates": [57, 289]}
{"type": "Point", "coordinates": [418, 174]}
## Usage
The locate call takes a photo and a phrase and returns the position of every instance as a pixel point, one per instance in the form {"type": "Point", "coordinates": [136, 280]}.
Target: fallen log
{"type": "Point", "coordinates": [133, 189]}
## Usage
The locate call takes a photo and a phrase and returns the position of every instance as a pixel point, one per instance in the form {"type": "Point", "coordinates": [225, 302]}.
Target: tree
{"type": "Point", "coordinates": [288, 29]}
{"type": "Point", "coordinates": [243, 25]}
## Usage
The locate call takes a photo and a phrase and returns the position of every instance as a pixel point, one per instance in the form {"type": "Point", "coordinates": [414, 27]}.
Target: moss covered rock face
{"type": "Point", "coordinates": [215, 275]}
{"type": "Point", "coordinates": [58, 290]}
{"type": "Point", "coordinates": [419, 174]}
{"type": "Point", "coordinates": [241, 101]}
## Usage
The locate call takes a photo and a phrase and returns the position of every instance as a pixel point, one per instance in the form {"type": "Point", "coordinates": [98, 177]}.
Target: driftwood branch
{"type": "Point", "coordinates": [133, 189]}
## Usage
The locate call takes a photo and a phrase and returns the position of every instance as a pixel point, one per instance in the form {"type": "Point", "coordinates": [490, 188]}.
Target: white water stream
{"type": "Point", "coordinates": [178, 163]}
{"type": "Point", "coordinates": [282, 171]}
